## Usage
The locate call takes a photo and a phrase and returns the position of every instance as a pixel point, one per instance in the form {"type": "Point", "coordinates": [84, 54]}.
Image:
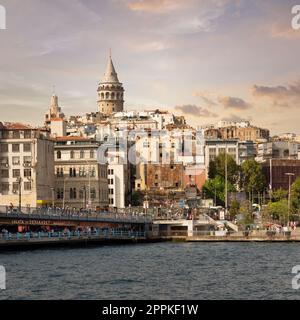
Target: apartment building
{"type": "Point", "coordinates": [80, 181]}
{"type": "Point", "coordinates": [27, 166]}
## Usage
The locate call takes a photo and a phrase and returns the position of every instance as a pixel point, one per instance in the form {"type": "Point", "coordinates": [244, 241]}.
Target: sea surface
{"type": "Point", "coordinates": [154, 271]}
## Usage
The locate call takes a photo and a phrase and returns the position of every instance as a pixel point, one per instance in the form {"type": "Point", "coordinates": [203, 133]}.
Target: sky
{"type": "Point", "coordinates": [208, 60]}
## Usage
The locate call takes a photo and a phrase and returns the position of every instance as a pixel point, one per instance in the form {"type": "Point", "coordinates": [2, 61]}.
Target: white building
{"type": "Point", "coordinates": [27, 166]}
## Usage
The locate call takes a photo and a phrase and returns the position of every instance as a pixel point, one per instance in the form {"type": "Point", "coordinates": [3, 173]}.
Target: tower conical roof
{"type": "Point", "coordinates": [110, 75]}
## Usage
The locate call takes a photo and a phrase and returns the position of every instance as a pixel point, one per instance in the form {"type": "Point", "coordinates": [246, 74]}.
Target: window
{"type": "Point", "coordinates": [16, 160]}
{"type": "Point", "coordinates": [27, 186]}
{"type": "Point", "coordinates": [59, 172]}
{"type": "Point", "coordinates": [27, 134]}
{"type": "Point", "coordinates": [73, 193]}
{"type": "Point", "coordinates": [81, 154]}
{"type": "Point", "coordinates": [156, 176]}
{"type": "Point", "coordinates": [4, 161]}
{"type": "Point", "coordinates": [60, 193]}
{"type": "Point", "coordinates": [27, 147]}
{"type": "Point", "coordinates": [111, 191]}
{"type": "Point", "coordinates": [16, 173]}
{"type": "Point", "coordinates": [93, 172]}
{"type": "Point", "coordinates": [82, 172]}
{"type": "Point", "coordinates": [27, 173]}
{"type": "Point", "coordinates": [92, 154]}
{"type": "Point", "coordinates": [27, 160]}
{"type": "Point", "coordinates": [93, 193]}
{"type": "Point", "coordinates": [72, 172]}
{"type": "Point", "coordinates": [16, 134]}
{"type": "Point", "coordinates": [15, 187]}
{"type": "Point", "coordinates": [72, 154]}
{"type": "Point", "coordinates": [58, 155]}
{"type": "Point", "coordinates": [3, 147]}
{"type": "Point", "coordinates": [15, 147]}
{"type": "Point", "coordinates": [4, 173]}
{"type": "Point", "coordinates": [4, 187]}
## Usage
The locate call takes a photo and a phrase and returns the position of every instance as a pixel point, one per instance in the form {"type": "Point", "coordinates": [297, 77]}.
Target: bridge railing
{"type": "Point", "coordinates": [72, 214]}
{"type": "Point", "coordinates": [110, 233]}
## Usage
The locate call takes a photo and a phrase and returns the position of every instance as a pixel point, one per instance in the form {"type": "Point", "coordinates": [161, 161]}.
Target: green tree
{"type": "Point", "coordinates": [217, 168]}
{"type": "Point", "coordinates": [278, 210]}
{"type": "Point", "coordinates": [246, 211]}
{"type": "Point", "coordinates": [216, 188]}
{"type": "Point", "coordinates": [137, 199]}
{"type": "Point", "coordinates": [234, 208]}
{"type": "Point", "coordinates": [295, 195]}
{"type": "Point", "coordinates": [253, 179]}
{"type": "Point", "coordinates": [279, 194]}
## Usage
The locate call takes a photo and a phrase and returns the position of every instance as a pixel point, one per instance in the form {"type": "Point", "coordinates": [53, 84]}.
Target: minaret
{"type": "Point", "coordinates": [54, 111]}
{"type": "Point", "coordinates": [110, 91]}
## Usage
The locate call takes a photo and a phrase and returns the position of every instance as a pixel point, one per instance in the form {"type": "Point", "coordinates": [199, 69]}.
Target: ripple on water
{"type": "Point", "coordinates": [154, 271]}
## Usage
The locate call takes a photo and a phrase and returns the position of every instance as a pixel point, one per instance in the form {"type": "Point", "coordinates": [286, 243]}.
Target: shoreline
{"type": "Point", "coordinates": [86, 242]}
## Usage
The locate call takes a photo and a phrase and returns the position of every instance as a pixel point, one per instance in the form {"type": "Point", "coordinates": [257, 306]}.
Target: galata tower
{"type": "Point", "coordinates": [110, 91]}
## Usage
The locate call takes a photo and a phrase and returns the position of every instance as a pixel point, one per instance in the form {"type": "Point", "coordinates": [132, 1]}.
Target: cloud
{"type": "Point", "coordinates": [283, 31]}
{"type": "Point", "coordinates": [290, 91]}
{"type": "Point", "coordinates": [197, 111]}
{"type": "Point", "coordinates": [283, 96]}
{"type": "Point", "coordinates": [235, 118]}
{"type": "Point", "coordinates": [234, 103]}
{"type": "Point", "coordinates": [156, 6]}
{"type": "Point", "coordinates": [206, 98]}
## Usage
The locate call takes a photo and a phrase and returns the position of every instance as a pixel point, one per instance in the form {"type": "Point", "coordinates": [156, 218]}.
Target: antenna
{"type": "Point", "coordinates": [53, 89]}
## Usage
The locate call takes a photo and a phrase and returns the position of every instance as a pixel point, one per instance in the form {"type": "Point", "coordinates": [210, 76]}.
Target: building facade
{"type": "Point", "coordinates": [80, 181]}
{"type": "Point", "coordinates": [27, 166]}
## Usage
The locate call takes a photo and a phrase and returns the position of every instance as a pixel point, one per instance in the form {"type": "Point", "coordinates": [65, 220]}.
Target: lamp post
{"type": "Point", "coordinates": [53, 197]}
{"type": "Point", "coordinates": [19, 180]}
{"type": "Point", "coordinates": [289, 174]}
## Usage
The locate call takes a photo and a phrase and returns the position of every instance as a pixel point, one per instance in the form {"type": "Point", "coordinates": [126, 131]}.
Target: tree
{"type": "Point", "coordinates": [215, 188]}
{"type": "Point", "coordinates": [279, 194]}
{"type": "Point", "coordinates": [137, 199]}
{"type": "Point", "coordinates": [295, 195]}
{"type": "Point", "coordinates": [253, 179]}
{"type": "Point", "coordinates": [234, 208]}
{"type": "Point", "coordinates": [217, 168]}
{"type": "Point", "coordinates": [246, 211]}
{"type": "Point", "coordinates": [278, 210]}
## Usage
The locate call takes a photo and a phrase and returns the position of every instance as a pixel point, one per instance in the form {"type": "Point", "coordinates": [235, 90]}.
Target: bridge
{"type": "Point", "coordinates": [32, 218]}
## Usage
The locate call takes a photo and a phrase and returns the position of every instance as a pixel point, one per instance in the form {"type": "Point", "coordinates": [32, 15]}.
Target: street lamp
{"type": "Point", "coordinates": [19, 180]}
{"type": "Point", "coordinates": [289, 174]}
{"type": "Point", "coordinates": [53, 197]}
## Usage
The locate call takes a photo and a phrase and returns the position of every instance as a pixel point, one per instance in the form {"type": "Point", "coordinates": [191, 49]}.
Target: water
{"type": "Point", "coordinates": [154, 271]}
